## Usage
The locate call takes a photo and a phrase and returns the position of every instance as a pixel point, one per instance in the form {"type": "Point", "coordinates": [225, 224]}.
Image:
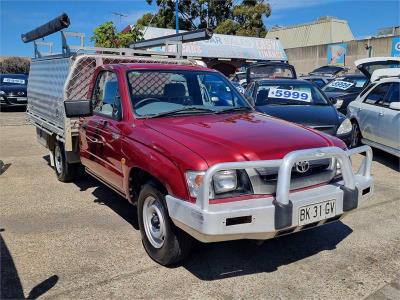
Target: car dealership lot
{"type": "Point", "coordinates": [81, 240]}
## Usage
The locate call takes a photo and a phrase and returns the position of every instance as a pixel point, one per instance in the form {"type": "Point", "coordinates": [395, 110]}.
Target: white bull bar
{"type": "Point", "coordinates": [285, 166]}
{"type": "Point", "coordinates": [206, 223]}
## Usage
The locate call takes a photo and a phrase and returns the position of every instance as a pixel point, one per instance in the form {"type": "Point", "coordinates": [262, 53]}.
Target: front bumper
{"type": "Point", "coordinates": [264, 218]}
{"type": "Point", "coordinates": [13, 101]}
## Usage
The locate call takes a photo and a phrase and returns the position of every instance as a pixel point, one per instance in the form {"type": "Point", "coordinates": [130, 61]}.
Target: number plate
{"type": "Point", "coordinates": [21, 99]}
{"type": "Point", "coordinates": [317, 212]}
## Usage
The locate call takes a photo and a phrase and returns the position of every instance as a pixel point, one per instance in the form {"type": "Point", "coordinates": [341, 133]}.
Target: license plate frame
{"type": "Point", "coordinates": [316, 212]}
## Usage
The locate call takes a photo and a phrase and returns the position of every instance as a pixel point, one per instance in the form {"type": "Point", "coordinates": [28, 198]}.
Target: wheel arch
{"type": "Point", "coordinates": [137, 178]}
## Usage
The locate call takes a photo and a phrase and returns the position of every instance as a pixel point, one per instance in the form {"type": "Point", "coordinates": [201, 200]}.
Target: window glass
{"type": "Point", "coordinates": [319, 82]}
{"type": "Point", "coordinates": [393, 95]}
{"type": "Point", "coordinates": [160, 92]}
{"type": "Point", "coordinates": [377, 95]}
{"type": "Point", "coordinates": [289, 94]}
{"type": "Point", "coordinates": [106, 98]}
{"type": "Point", "coordinates": [348, 84]}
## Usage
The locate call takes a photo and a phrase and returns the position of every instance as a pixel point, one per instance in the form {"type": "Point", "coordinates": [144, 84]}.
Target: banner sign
{"type": "Point", "coordinates": [337, 54]}
{"type": "Point", "coordinates": [226, 46]}
{"type": "Point", "coordinates": [396, 47]}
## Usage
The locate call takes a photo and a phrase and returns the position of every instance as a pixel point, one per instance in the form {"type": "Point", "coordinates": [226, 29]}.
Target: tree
{"type": "Point", "coordinates": [249, 15]}
{"type": "Point", "coordinates": [224, 16]}
{"type": "Point", "coordinates": [14, 65]}
{"type": "Point", "coordinates": [106, 35]}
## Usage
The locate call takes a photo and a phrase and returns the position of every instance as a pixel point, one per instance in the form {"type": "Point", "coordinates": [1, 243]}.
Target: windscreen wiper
{"type": "Point", "coordinates": [233, 109]}
{"type": "Point", "coordinates": [186, 109]}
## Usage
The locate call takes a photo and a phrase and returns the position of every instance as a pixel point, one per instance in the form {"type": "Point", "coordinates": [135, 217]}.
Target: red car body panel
{"type": "Point", "coordinates": [169, 146]}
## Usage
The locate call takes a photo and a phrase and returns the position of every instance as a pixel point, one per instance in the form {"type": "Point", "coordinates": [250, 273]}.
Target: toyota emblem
{"type": "Point", "coordinates": [302, 166]}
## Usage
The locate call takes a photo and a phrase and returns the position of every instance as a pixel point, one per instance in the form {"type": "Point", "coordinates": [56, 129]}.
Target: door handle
{"type": "Point", "coordinates": [95, 140]}
{"type": "Point", "coordinates": [104, 123]}
{"type": "Point", "coordinates": [381, 114]}
{"type": "Point", "coordinates": [359, 109]}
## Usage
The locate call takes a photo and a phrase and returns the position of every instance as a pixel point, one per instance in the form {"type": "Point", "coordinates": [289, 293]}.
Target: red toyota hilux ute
{"type": "Point", "coordinates": [199, 162]}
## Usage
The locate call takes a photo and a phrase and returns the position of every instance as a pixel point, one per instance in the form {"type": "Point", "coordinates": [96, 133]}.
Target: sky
{"type": "Point", "coordinates": [365, 17]}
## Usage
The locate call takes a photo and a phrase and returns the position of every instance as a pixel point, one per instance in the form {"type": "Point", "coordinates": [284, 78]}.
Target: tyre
{"type": "Point", "coordinates": [163, 241]}
{"type": "Point", "coordinates": [65, 172]}
{"type": "Point", "coordinates": [355, 135]}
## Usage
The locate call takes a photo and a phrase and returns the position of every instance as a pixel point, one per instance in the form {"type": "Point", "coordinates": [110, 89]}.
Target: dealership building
{"type": "Point", "coordinates": [314, 44]}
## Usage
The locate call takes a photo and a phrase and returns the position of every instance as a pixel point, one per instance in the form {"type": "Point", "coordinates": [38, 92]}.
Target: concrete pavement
{"type": "Point", "coordinates": [81, 240]}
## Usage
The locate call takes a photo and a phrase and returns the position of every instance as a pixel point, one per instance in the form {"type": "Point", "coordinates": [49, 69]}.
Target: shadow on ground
{"type": "Point", "coordinates": [11, 286]}
{"type": "Point", "coordinates": [236, 258]}
{"type": "Point", "coordinates": [13, 109]}
{"type": "Point", "coordinates": [386, 159]}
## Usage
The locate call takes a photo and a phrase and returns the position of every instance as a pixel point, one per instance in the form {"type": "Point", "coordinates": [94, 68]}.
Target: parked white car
{"type": "Point", "coordinates": [375, 114]}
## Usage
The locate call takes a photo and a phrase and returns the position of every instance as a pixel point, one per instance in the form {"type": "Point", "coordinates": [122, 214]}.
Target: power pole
{"type": "Point", "coordinates": [177, 16]}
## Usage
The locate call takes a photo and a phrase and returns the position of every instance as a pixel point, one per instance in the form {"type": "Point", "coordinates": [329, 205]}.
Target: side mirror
{"type": "Point", "coordinates": [78, 108]}
{"type": "Point", "coordinates": [394, 105]}
{"type": "Point", "coordinates": [214, 99]}
{"type": "Point", "coordinates": [332, 100]}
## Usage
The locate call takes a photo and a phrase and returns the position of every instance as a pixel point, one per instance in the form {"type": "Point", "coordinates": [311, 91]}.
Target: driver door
{"type": "Point", "coordinates": [103, 133]}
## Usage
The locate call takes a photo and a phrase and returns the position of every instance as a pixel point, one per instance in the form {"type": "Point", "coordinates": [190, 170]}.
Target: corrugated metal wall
{"type": "Point", "coordinates": [316, 33]}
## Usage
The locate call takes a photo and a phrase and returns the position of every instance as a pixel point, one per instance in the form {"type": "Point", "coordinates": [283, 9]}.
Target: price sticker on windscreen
{"type": "Point", "coordinates": [343, 85]}
{"type": "Point", "coordinates": [14, 80]}
{"type": "Point", "coordinates": [289, 94]}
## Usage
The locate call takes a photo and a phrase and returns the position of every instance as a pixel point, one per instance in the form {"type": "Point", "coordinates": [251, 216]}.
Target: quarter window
{"type": "Point", "coordinates": [377, 95]}
{"type": "Point", "coordinates": [106, 98]}
{"type": "Point", "coordinates": [393, 95]}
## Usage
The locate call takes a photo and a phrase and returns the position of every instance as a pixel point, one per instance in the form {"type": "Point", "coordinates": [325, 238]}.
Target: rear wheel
{"type": "Point", "coordinates": [65, 171]}
{"type": "Point", "coordinates": [355, 135]}
{"type": "Point", "coordinates": [162, 240]}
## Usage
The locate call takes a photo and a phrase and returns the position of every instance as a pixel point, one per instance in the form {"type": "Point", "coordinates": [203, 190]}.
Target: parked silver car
{"type": "Point", "coordinates": [375, 114]}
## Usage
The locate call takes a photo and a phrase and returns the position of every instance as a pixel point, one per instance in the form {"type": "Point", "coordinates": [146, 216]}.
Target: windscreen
{"type": "Point", "coordinates": [289, 94]}
{"type": "Point", "coordinates": [327, 70]}
{"type": "Point", "coordinates": [159, 92]}
{"type": "Point", "coordinates": [345, 84]}
{"type": "Point", "coordinates": [271, 72]}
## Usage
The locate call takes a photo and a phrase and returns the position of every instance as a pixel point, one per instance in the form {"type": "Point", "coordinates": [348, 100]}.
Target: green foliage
{"type": "Point", "coordinates": [14, 65]}
{"type": "Point", "coordinates": [224, 16]}
{"type": "Point", "coordinates": [106, 35]}
{"type": "Point", "coordinates": [227, 27]}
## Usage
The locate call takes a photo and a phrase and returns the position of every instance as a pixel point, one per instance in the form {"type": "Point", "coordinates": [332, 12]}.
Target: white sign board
{"type": "Point", "coordinates": [289, 94]}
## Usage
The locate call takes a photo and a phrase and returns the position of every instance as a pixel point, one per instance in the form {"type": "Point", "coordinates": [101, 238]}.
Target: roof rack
{"type": "Point", "coordinates": [136, 49]}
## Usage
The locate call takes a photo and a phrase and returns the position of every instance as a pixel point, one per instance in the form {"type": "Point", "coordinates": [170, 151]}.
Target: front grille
{"type": "Point", "coordinates": [319, 172]}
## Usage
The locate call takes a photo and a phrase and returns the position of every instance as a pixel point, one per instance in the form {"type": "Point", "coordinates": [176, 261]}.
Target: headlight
{"type": "Point", "coordinates": [2, 93]}
{"type": "Point", "coordinates": [225, 181]}
{"type": "Point", "coordinates": [339, 103]}
{"type": "Point", "coordinates": [194, 179]}
{"type": "Point", "coordinates": [345, 127]}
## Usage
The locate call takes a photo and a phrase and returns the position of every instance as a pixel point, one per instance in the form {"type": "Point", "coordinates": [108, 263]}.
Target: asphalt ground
{"type": "Point", "coordinates": [81, 240]}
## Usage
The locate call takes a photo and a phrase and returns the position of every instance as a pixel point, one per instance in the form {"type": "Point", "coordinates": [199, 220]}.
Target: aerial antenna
{"type": "Point", "coordinates": [120, 15]}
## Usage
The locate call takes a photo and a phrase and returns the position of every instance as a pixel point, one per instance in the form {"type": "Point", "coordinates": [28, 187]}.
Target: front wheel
{"type": "Point", "coordinates": [163, 242]}
{"type": "Point", "coordinates": [65, 171]}
{"type": "Point", "coordinates": [355, 135]}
